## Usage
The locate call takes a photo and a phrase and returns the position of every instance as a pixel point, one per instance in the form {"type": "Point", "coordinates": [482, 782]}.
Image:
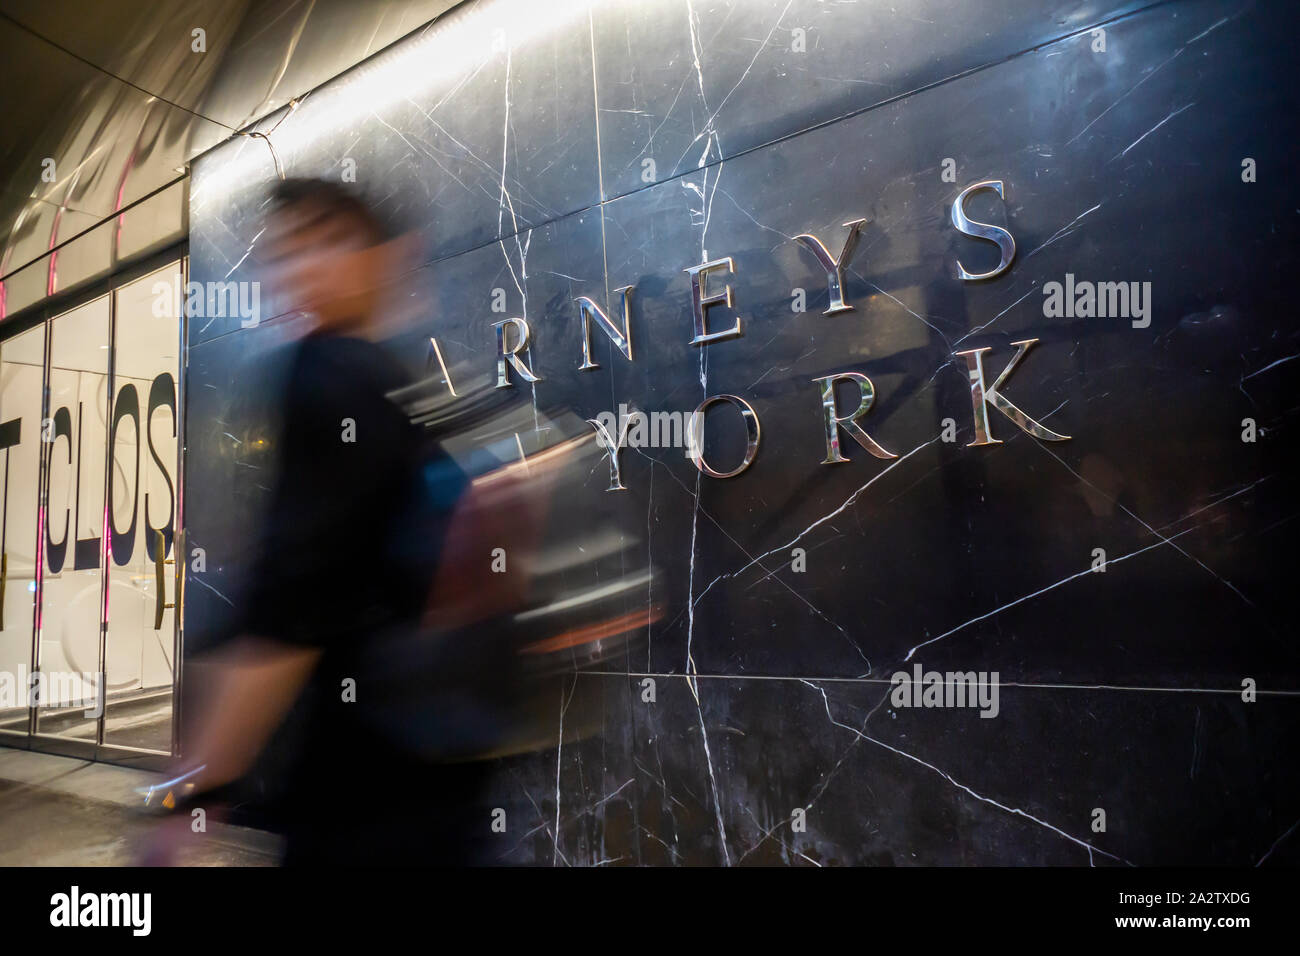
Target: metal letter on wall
{"type": "Point", "coordinates": [983, 230]}
{"type": "Point", "coordinates": [701, 299]}
{"type": "Point", "coordinates": [622, 338]}
{"type": "Point", "coordinates": [511, 355]}
{"type": "Point", "coordinates": [834, 421]}
{"type": "Point", "coordinates": [981, 396]}
{"type": "Point", "coordinates": [834, 267]}
{"type": "Point", "coordinates": [613, 449]}
{"type": "Point", "coordinates": [695, 435]}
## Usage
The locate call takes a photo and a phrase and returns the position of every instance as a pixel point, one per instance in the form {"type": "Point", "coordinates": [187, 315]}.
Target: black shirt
{"type": "Point", "coordinates": [347, 554]}
{"type": "Point", "coordinates": [329, 566]}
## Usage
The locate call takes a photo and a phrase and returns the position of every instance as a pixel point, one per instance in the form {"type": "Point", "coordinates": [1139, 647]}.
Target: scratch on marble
{"type": "Point", "coordinates": [205, 584]}
{"type": "Point", "coordinates": [827, 517]}
{"type": "Point", "coordinates": [658, 839]}
{"type": "Point", "coordinates": [1064, 230]}
{"type": "Point", "coordinates": [709, 127]}
{"type": "Point", "coordinates": [1125, 151]}
{"type": "Point", "coordinates": [826, 778]}
{"type": "Point", "coordinates": [1246, 378]}
{"type": "Point", "coordinates": [976, 331]}
{"type": "Point", "coordinates": [1210, 30]}
{"type": "Point", "coordinates": [541, 826]}
{"type": "Point", "coordinates": [1014, 811]}
{"type": "Point", "coordinates": [1051, 587]}
{"type": "Point", "coordinates": [918, 315]}
{"type": "Point", "coordinates": [698, 509]}
{"type": "Point", "coordinates": [1278, 843]}
{"type": "Point", "coordinates": [246, 254]}
{"type": "Point", "coordinates": [559, 754]}
{"type": "Point", "coordinates": [1222, 580]}
{"type": "Point", "coordinates": [694, 686]}
{"type": "Point", "coordinates": [1216, 501]}
{"type": "Point", "coordinates": [1125, 95]}
{"type": "Point", "coordinates": [767, 835]}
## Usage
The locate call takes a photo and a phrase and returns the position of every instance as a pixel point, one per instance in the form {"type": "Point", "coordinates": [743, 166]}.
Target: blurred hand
{"type": "Point", "coordinates": [168, 841]}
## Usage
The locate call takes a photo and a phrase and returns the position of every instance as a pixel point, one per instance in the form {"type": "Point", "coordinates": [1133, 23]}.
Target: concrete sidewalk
{"type": "Point", "coordinates": [61, 811]}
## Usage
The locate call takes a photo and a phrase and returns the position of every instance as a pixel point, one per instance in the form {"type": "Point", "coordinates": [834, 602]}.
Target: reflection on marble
{"type": "Point", "coordinates": [230, 465]}
{"type": "Point", "coordinates": [469, 131]}
{"type": "Point", "coordinates": [1122, 584]}
{"type": "Point", "coordinates": [683, 85]}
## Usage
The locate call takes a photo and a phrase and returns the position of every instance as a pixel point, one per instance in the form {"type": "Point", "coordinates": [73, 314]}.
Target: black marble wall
{"type": "Point", "coordinates": [556, 150]}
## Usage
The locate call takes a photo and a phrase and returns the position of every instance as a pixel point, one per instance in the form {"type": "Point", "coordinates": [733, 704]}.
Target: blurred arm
{"type": "Point", "coordinates": [249, 687]}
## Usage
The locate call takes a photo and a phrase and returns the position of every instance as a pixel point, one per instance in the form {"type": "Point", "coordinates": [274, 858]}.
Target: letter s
{"type": "Point", "coordinates": [983, 230]}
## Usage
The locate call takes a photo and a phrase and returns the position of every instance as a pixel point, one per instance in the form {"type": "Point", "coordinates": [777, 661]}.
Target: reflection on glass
{"type": "Point", "coordinates": [68, 645]}
{"type": "Point", "coordinates": [140, 644]}
{"type": "Point", "coordinates": [22, 361]}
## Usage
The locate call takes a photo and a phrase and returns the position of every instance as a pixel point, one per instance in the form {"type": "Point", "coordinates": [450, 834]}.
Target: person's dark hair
{"type": "Point", "coordinates": [325, 197]}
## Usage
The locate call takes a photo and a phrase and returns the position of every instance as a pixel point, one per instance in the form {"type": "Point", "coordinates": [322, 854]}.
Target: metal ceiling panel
{"type": "Point", "coordinates": [111, 99]}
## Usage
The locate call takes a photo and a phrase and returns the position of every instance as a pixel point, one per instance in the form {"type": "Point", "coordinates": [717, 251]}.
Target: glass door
{"type": "Point", "coordinates": [22, 374]}
{"type": "Point", "coordinates": [70, 592]}
{"type": "Point", "coordinates": [91, 432]}
{"type": "Point", "coordinates": [140, 647]}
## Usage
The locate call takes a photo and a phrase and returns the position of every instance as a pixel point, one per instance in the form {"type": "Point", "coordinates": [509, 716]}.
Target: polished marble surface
{"type": "Point", "coordinates": [1120, 689]}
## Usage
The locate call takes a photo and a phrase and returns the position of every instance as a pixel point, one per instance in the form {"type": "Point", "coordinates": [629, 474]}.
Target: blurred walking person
{"type": "Point", "coordinates": [334, 568]}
